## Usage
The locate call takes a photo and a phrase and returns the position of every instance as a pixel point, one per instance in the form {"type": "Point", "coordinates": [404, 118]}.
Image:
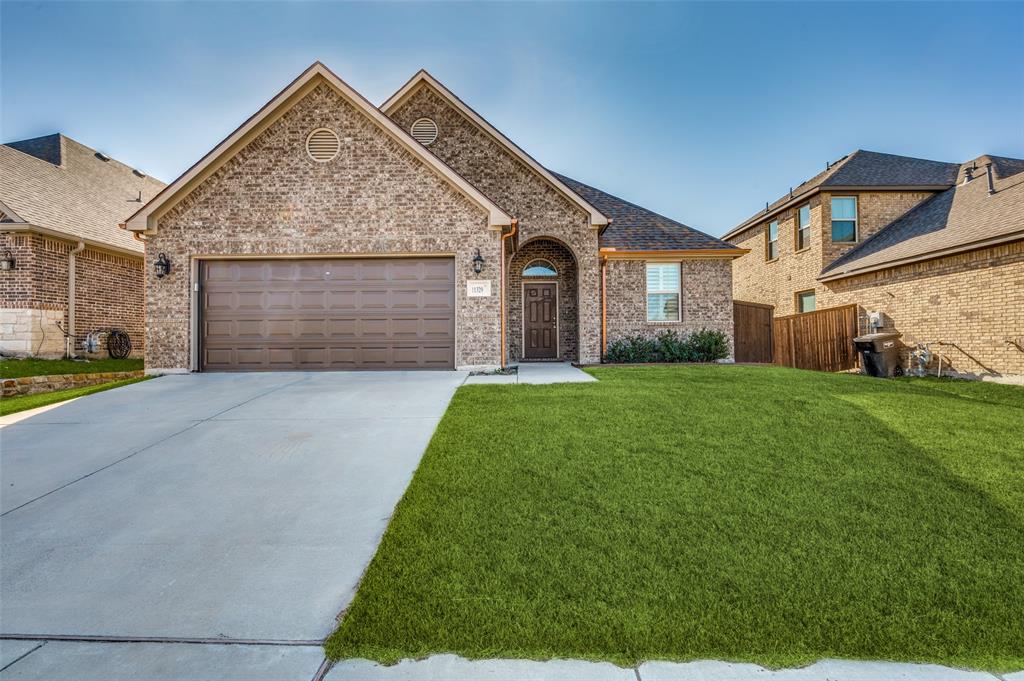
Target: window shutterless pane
{"type": "Point", "coordinates": [805, 216]}
{"type": "Point", "coordinates": [805, 301]}
{"type": "Point", "coordinates": [844, 208]}
{"type": "Point", "coordinates": [663, 276]}
{"type": "Point", "coordinates": [844, 230]}
{"type": "Point", "coordinates": [662, 307]}
{"type": "Point", "coordinates": [773, 240]}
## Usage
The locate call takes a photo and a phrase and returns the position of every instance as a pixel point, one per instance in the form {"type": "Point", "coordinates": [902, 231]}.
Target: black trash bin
{"type": "Point", "coordinates": [879, 354]}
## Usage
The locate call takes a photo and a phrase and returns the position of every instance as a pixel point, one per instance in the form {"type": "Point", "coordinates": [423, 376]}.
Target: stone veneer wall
{"type": "Point", "coordinates": [33, 296]}
{"type": "Point", "coordinates": [973, 303]}
{"type": "Point", "coordinates": [375, 197]}
{"type": "Point", "coordinates": [30, 385]}
{"type": "Point", "coordinates": [776, 282]}
{"type": "Point", "coordinates": [541, 209]}
{"type": "Point", "coordinates": [568, 291]}
{"type": "Point", "coordinates": [706, 299]}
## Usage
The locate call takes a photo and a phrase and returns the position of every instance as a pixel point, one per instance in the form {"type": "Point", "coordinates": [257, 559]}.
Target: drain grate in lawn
{"type": "Point", "coordinates": [740, 513]}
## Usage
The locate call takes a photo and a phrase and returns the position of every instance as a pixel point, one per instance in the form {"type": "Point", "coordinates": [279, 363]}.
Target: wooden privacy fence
{"type": "Point", "coordinates": [752, 323]}
{"type": "Point", "coordinates": [820, 340]}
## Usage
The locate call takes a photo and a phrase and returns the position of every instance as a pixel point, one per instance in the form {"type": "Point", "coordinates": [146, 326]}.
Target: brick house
{"type": "Point", "coordinates": [67, 266]}
{"type": "Point", "coordinates": [936, 248]}
{"type": "Point", "coordinates": [327, 233]}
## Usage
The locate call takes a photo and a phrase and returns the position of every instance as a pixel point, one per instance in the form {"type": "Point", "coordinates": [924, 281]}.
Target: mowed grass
{"type": "Point", "coordinates": [12, 405]}
{"type": "Point", "coordinates": [17, 368]}
{"type": "Point", "coordinates": [740, 513]}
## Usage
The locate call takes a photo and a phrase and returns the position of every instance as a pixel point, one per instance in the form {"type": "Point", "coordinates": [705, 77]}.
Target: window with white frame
{"type": "Point", "coordinates": [772, 247]}
{"type": "Point", "coordinates": [805, 301]}
{"type": "Point", "coordinates": [663, 292]}
{"type": "Point", "coordinates": [803, 227]}
{"type": "Point", "coordinates": [844, 219]}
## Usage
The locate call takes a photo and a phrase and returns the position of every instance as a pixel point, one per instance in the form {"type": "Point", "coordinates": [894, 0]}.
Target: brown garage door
{"type": "Point", "coordinates": [374, 313]}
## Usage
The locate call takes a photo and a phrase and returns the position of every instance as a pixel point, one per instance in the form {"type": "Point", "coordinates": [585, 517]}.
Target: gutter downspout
{"type": "Point", "coordinates": [69, 341]}
{"type": "Point", "coordinates": [604, 306]}
{"type": "Point", "coordinates": [501, 270]}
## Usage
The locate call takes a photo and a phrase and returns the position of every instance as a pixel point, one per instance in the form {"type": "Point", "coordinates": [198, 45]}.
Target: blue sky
{"type": "Point", "coordinates": [701, 111]}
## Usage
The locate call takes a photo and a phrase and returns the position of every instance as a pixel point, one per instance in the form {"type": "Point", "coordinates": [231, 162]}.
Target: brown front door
{"type": "Point", "coordinates": [328, 314]}
{"type": "Point", "coordinates": [540, 321]}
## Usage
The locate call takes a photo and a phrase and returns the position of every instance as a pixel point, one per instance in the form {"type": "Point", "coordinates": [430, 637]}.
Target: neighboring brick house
{"type": "Point", "coordinates": [68, 265]}
{"type": "Point", "coordinates": [326, 233]}
{"type": "Point", "coordinates": [936, 248]}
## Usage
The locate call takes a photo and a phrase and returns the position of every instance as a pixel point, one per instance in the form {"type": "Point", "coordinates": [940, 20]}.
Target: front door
{"type": "Point", "coordinates": [540, 321]}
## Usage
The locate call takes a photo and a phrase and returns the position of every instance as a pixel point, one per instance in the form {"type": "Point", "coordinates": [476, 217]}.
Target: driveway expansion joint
{"type": "Point", "coordinates": [215, 640]}
{"type": "Point", "coordinates": [21, 657]}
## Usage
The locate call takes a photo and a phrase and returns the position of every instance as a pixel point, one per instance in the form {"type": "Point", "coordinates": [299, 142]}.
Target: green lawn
{"type": "Point", "coordinates": [10, 405]}
{"type": "Point", "coordinates": [740, 513]}
{"type": "Point", "coordinates": [16, 368]}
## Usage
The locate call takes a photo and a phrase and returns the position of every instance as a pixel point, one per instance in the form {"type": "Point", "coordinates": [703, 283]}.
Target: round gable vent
{"type": "Point", "coordinates": [424, 131]}
{"type": "Point", "coordinates": [323, 145]}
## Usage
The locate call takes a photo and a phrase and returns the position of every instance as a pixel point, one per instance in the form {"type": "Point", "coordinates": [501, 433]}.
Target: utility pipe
{"type": "Point", "coordinates": [69, 341]}
{"type": "Point", "coordinates": [501, 274]}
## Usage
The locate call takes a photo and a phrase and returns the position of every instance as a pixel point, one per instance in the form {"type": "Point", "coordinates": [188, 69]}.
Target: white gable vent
{"type": "Point", "coordinates": [424, 131]}
{"type": "Point", "coordinates": [323, 145]}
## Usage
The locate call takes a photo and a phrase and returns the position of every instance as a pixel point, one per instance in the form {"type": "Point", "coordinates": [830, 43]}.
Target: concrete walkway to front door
{"type": "Point", "coordinates": [207, 526]}
{"type": "Point", "coordinates": [540, 373]}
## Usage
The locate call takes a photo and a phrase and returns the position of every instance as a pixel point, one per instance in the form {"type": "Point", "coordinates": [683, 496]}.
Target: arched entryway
{"type": "Point", "coordinates": [543, 316]}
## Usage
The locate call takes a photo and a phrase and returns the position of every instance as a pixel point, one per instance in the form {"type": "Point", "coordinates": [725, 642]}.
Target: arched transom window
{"type": "Point", "coordinates": [540, 268]}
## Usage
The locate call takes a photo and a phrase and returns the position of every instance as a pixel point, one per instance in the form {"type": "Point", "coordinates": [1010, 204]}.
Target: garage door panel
{"type": "Point", "coordinates": [328, 314]}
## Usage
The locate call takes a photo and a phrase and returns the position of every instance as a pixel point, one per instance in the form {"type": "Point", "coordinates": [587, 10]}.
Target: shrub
{"type": "Point", "coordinates": [701, 346]}
{"type": "Point", "coordinates": [672, 348]}
{"type": "Point", "coordinates": [707, 346]}
{"type": "Point", "coordinates": [632, 349]}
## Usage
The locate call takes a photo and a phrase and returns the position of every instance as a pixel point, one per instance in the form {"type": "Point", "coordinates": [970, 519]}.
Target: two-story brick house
{"type": "Point", "coordinates": [936, 248]}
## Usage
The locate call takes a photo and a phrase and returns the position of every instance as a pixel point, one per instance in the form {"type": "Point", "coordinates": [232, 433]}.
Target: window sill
{"type": "Point", "coordinates": [803, 250]}
{"type": "Point", "coordinates": [664, 322]}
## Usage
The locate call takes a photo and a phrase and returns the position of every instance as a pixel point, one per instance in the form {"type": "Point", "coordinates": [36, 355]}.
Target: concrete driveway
{"type": "Point", "coordinates": [224, 519]}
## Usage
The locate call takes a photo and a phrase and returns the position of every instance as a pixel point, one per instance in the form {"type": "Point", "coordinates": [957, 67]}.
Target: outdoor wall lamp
{"type": "Point", "coordinates": [162, 266]}
{"type": "Point", "coordinates": [478, 262]}
{"type": "Point", "coordinates": [7, 262]}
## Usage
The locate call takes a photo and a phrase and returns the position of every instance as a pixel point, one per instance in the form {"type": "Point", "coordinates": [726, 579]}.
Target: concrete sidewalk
{"type": "Point", "coordinates": [453, 668]}
{"type": "Point", "coordinates": [537, 373]}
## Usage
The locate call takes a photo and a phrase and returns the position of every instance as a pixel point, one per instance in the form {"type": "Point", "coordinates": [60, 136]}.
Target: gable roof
{"type": "Point", "coordinates": [422, 78]}
{"type": "Point", "coordinates": [863, 170]}
{"type": "Point", "coordinates": [55, 185]}
{"type": "Point", "coordinates": [634, 228]}
{"type": "Point", "coordinates": [145, 219]}
{"type": "Point", "coordinates": [962, 218]}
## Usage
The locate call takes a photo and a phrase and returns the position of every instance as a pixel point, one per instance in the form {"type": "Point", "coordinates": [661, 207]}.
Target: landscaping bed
{"type": "Point", "coordinates": [742, 513]}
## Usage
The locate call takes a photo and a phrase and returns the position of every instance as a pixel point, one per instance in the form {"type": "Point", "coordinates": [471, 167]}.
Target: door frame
{"type": "Point", "coordinates": [558, 308]}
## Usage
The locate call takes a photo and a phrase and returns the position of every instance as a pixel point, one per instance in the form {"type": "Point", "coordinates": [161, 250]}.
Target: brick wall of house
{"type": "Point", "coordinates": [540, 208]}
{"type": "Point", "coordinates": [560, 257]}
{"type": "Point", "coordinates": [706, 289]}
{"type": "Point", "coordinates": [776, 282]}
{"type": "Point", "coordinates": [973, 303]}
{"type": "Point", "coordinates": [108, 292]}
{"type": "Point", "coordinates": [376, 197]}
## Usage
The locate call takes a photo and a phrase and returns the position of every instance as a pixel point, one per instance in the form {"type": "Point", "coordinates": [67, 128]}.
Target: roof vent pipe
{"type": "Point", "coordinates": [967, 175]}
{"type": "Point", "coordinates": [988, 171]}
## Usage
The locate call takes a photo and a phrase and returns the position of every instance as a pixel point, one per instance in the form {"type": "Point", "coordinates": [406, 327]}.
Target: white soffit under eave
{"type": "Point", "coordinates": [597, 218]}
{"type": "Point", "coordinates": [144, 218]}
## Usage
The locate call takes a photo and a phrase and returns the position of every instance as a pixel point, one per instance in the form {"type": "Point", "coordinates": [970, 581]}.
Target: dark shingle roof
{"type": "Point", "coordinates": [59, 184]}
{"type": "Point", "coordinates": [866, 169]}
{"type": "Point", "coordinates": [954, 219]}
{"type": "Point", "coordinates": [637, 229]}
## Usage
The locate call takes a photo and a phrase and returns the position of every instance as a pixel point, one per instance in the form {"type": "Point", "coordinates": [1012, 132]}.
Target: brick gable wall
{"type": "Point", "coordinates": [376, 197]}
{"type": "Point", "coordinates": [541, 209]}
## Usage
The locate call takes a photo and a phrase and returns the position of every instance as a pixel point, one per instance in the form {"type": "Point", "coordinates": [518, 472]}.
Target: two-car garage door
{"type": "Point", "coordinates": [373, 313]}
